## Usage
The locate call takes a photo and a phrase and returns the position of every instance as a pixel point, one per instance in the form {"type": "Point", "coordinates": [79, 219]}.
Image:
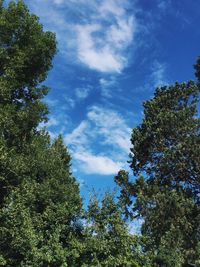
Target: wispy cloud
{"type": "Point", "coordinates": [163, 4]}
{"type": "Point", "coordinates": [105, 129]}
{"type": "Point", "coordinates": [158, 74]}
{"type": "Point", "coordinates": [51, 102]}
{"type": "Point", "coordinates": [83, 92]}
{"type": "Point", "coordinates": [111, 126]}
{"type": "Point", "coordinates": [78, 137]}
{"type": "Point", "coordinates": [52, 122]}
{"type": "Point", "coordinates": [69, 103]}
{"type": "Point", "coordinates": [58, 2]}
{"type": "Point", "coordinates": [107, 84]}
{"type": "Point", "coordinates": [103, 41]}
{"type": "Point", "coordinates": [94, 33]}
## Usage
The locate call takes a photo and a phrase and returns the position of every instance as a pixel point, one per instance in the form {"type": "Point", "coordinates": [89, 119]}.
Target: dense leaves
{"type": "Point", "coordinates": [26, 52]}
{"type": "Point", "coordinates": [39, 215]}
{"type": "Point", "coordinates": [39, 198]}
{"type": "Point", "coordinates": [108, 241]}
{"type": "Point", "coordinates": [166, 156]}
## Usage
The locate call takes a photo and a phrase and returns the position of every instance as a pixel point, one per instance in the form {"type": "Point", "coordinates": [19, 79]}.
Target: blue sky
{"type": "Point", "coordinates": [111, 56]}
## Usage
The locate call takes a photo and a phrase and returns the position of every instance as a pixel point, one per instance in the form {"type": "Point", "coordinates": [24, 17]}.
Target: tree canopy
{"type": "Point", "coordinates": [165, 157]}
{"type": "Point", "coordinates": [39, 198]}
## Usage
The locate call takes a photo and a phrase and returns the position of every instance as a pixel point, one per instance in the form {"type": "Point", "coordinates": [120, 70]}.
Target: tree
{"type": "Point", "coordinates": [108, 241]}
{"type": "Point", "coordinates": [38, 219]}
{"type": "Point", "coordinates": [26, 52]}
{"type": "Point", "coordinates": [40, 202]}
{"type": "Point", "coordinates": [165, 156]}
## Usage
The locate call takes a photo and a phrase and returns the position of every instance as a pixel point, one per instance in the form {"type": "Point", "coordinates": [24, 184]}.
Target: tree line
{"type": "Point", "coordinates": [42, 219]}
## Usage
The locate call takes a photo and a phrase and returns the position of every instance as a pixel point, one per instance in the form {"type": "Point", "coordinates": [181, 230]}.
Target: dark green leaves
{"type": "Point", "coordinates": [166, 151]}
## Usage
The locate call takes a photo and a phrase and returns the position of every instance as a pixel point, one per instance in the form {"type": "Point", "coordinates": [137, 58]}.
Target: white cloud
{"type": "Point", "coordinates": [111, 126]}
{"type": "Point", "coordinates": [100, 36]}
{"type": "Point", "coordinates": [82, 93]}
{"type": "Point", "coordinates": [102, 43]}
{"type": "Point", "coordinates": [77, 138]}
{"type": "Point", "coordinates": [122, 33]}
{"type": "Point", "coordinates": [97, 164]}
{"type": "Point", "coordinates": [100, 58]}
{"type": "Point", "coordinates": [104, 130]}
{"type": "Point", "coordinates": [112, 7]}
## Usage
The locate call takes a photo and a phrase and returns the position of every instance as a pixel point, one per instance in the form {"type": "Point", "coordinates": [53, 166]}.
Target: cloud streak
{"type": "Point", "coordinates": [103, 130]}
{"type": "Point", "coordinates": [158, 75]}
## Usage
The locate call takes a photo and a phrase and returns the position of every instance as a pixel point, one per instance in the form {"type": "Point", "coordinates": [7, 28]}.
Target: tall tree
{"type": "Point", "coordinates": [26, 52]}
{"type": "Point", "coordinates": [166, 158]}
{"type": "Point", "coordinates": [39, 198]}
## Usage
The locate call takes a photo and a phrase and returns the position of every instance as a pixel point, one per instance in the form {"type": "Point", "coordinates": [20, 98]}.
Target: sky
{"type": "Point", "coordinates": [112, 54]}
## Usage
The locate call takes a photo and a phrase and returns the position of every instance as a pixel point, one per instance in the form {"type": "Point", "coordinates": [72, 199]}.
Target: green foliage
{"type": "Point", "coordinates": [166, 152]}
{"type": "Point", "coordinates": [39, 198]}
{"type": "Point", "coordinates": [108, 242]}
{"type": "Point", "coordinates": [38, 218]}
{"type": "Point", "coordinates": [26, 52]}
